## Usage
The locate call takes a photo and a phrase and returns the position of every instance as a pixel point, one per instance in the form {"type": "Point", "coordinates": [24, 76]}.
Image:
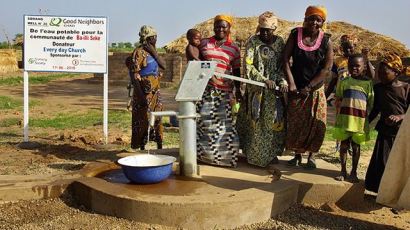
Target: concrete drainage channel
{"type": "Point", "coordinates": [221, 197]}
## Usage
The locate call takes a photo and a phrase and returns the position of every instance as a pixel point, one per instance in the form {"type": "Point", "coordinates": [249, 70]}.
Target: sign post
{"type": "Point", "coordinates": [25, 108]}
{"type": "Point", "coordinates": [65, 44]}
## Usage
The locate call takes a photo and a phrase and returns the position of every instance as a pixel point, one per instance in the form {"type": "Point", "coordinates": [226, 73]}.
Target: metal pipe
{"type": "Point", "coordinates": [187, 139]}
{"type": "Point", "coordinates": [160, 114]}
{"type": "Point", "coordinates": [261, 84]}
{"type": "Point", "coordinates": [187, 133]}
{"type": "Point", "coordinates": [244, 80]}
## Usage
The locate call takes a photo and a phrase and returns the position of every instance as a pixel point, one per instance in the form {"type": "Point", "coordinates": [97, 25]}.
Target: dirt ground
{"type": "Point", "coordinates": [61, 151]}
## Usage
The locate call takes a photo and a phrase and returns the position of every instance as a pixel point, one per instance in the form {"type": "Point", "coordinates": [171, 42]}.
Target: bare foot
{"type": "Point", "coordinates": [276, 174]}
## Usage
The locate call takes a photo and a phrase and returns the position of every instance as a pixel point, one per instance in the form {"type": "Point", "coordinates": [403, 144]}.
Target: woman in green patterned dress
{"type": "Point", "coordinates": [260, 121]}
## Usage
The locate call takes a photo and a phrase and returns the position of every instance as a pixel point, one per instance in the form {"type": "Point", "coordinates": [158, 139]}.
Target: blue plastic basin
{"type": "Point", "coordinates": [146, 168]}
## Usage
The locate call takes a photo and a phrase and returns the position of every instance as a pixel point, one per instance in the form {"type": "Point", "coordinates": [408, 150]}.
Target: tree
{"type": "Point", "coordinates": [128, 45]}
{"type": "Point", "coordinates": [4, 45]}
{"type": "Point", "coordinates": [18, 41]}
{"type": "Point", "coordinates": [120, 45]}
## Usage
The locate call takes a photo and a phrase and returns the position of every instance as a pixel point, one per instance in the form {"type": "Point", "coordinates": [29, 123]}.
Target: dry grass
{"type": "Point", "coordinates": [8, 61]}
{"type": "Point", "coordinates": [244, 27]}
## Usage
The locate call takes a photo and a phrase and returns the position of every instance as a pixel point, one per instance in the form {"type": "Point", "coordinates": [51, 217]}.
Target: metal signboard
{"type": "Point", "coordinates": [65, 44]}
{"type": "Point", "coordinates": [195, 80]}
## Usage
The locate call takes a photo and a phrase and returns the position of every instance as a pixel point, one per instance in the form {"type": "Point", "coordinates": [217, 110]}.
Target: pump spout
{"type": "Point", "coordinates": [160, 114]}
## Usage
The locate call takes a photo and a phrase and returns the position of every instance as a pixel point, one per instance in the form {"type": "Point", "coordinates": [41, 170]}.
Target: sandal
{"type": "Point", "coordinates": [354, 179]}
{"type": "Point", "coordinates": [274, 161]}
{"type": "Point", "coordinates": [311, 163]}
{"type": "Point", "coordinates": [341, 177]}
{"type": "Point", "coordinates": [296, 161]}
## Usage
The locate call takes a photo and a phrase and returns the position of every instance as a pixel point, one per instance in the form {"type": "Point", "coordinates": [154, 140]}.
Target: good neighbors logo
{"type": "Point", "coordinates": [55, 21]}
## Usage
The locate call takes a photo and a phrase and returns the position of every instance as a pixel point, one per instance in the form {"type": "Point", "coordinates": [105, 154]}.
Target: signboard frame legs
{"type": "Point", "coordinates": [25, 107]}
{"type": "Point", "coordinates": [105, 108]}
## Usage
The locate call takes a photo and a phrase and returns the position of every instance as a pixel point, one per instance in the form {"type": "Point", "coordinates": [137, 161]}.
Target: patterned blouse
{"type": "Point", "coordinates": [263, 62]}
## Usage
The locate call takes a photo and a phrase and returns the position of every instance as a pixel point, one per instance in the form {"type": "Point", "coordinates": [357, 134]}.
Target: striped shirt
{"type": "Point", "coordinates": [227, 57]}
{"type": "Point", "coordinates": [356, 102]}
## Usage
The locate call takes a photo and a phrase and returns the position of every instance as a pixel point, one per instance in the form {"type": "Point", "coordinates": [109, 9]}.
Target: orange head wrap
{"type": "Point", "coordinates": [316, 10]}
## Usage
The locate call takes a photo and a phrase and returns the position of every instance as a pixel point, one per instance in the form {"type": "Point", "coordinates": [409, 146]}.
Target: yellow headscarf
{"type": "Point", "coordinates": [393, 60]}
{"type": "Point", "coordinates": [316, 10]}
{"type": "Point", "coordinates": [224, 17]}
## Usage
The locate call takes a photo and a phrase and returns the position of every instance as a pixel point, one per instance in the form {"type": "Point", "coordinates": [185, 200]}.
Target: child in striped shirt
{"type": "Point", "coordinates": [355, 95]}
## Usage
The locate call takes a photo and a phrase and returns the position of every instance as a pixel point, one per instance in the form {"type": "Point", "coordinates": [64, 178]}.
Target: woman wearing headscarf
{"type": "Point", "coordinates": [261, 115]}
{"type": "Point", "coordinates": [312, 54]}
{"type": "Point", "coordinates": [146, 97]}
{"type": "Point", "coordinates": [391, 100]}
{"type": "Point", "coordinates": [217, 139]}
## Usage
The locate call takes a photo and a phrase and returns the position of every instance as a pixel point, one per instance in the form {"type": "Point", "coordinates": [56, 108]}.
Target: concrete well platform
{"type": "Point", "coordinates": [220, 198]}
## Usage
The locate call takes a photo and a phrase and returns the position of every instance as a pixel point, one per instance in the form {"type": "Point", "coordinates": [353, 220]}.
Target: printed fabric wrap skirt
{"type": "Point", "coordinates": [217, 139]}
{"type": "Point", "coordinates": [306, 126]}
{"type": "Point", "coordinates": [146, 98]}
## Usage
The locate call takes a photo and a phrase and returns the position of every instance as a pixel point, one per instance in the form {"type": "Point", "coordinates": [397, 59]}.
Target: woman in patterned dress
{"type": "Point", "coordinates": [260, 122]}
{"type": "Point", "coordinates": [217, 139]}
{"type": "Point", "coordinates": [146, 97]}
{"type": "Point", "coordinates": [312, 58]}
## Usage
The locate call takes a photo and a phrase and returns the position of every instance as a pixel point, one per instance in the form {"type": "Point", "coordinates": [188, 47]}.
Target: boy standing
{"type": "Point", "coordinates": [355, 95]}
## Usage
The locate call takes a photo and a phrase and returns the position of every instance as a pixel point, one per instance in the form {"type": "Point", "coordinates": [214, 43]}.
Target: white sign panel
{"type": "Point", "coordinates": [65, 44]}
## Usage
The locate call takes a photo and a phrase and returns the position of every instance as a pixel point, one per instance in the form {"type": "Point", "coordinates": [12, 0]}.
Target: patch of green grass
{"type": "Point", "coordinates": [18, 80]}
{"type": "Point", "coordinates": [82, 120]}
{"type": "Point", "coordinates": [121, 50]}
{"type": "Point", "coordinates": [11, 103]}
{"type": "Point", "coordinates": [8, 122]}
{"type": "Point", "coordinates": [63, 121]}
{"type": "Point", "coordinates": [171, 139]}
{"type": "Point", "coordinates": [33, 103]}
{"type": "Point", "coordinates": [119, 118]}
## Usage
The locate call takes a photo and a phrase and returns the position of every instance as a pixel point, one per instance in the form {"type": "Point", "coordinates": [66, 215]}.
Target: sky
{"type": "Point", "coordinates": [172, 18]}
